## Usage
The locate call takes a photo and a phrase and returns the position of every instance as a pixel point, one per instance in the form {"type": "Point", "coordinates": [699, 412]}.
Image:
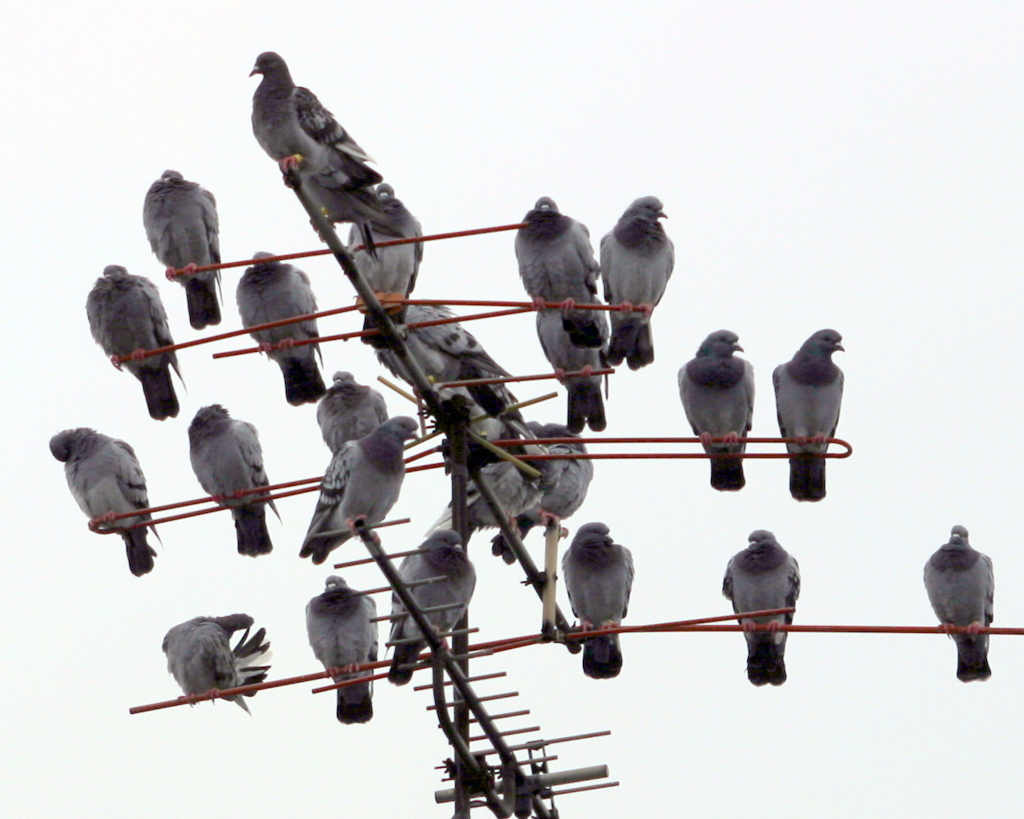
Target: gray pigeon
{"type": "Point", "coordinates": [363, 480]}
{"type": "Point", "coordinates": [201, 659]}
{"type": "Point", "coordinates": [636, 263]}
{"type": "Point", "coordinates": [342, 635]}
{"type": "Point", "coordinates": [808, 394]}
{"type": "Point", "coordinates": [349, 411]}
{"type": "Point", "coordinates": [181, 224]}
{"type": "Point", "coordinates": [557, 264]}
{"type": "Point", "coordinates": [717, 391]}
{"type": "Point", "coordinates": [104, 477]}
{"type": "Point", "coordinates": [126, 316]}
{"type": "Point", "coordinates": [586, 407]}
{"type": "Point", "coordinates": [227, 459]}
{"type": "Point", "coordinates": [293, 128]}
{"type": "Point", "coordinates": [598, 577]}
{"type": "Point", "coordinates": [763, 576]}
{"type": "Point", "coordinates": [272, 291]}
{"type": "Point", "coordinates": [961, 586]}
{"type": "Point", "coordinates": [446, 558]}
{"type": "Point", "coordinates": [563, 487]}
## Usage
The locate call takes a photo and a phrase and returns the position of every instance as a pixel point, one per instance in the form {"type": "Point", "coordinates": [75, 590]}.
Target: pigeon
{"type": "Point", "coordinates": [227, 459]}
{"type": "Point", "coordinates": [557, 264]}
{"type": "Point", "coordinates": [342, 634]}
{"type": "Point", "coordinates": [763, 576]}
{"type": "Point", "coordinates": [272, 291]}
{"type": "Point", "coordinates": [362, 481]}
{"type": "Point", "coordinates": [443, 557]}
{"type": "Point", "coordinates": [201, 659]}
{"type": "Point", "coordinates": [563, 487]}
{"type": "Point", "coordinates": [717, 391]}
{"type": "Point", "coordinates": [598, 577]}
{"type": "Point", "coordinates": [636, 263]}
{"type": "Point", "coordinates": [349, 411]}
{"type": "Point", "coordinates": [586, 407]}
{"type": "Point", "coordinates": [180, 218]}
{"type": "Point", "coordinates": [105, 478]}
{"type": "Point", "coordinates": [126, 316]}
{"type": "Point", "coordinates": [293, 128]}
{"type": "Point", "coordinates": [808, 394]}
{"type": "Point", "coordinates": [961, 587]}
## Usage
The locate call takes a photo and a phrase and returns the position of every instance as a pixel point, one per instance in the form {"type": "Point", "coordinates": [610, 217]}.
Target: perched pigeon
{"type": "Point", "coordinates": [586, 407]}
{"type": "Point", "coordinates": [717, 391]}
{"type": "Point", "coordinates": [104, 477]}
{"type": "Point", "coordinates": [293, 127]}
{"type": "Point", "coordinates": [961, 587]}
{"type": "Point", "coordinates": [342, 635]}
{"type": "Point", "coordinates": [636, 262]}
{"type": "Point", "coordinates": [227, 459]}
{"type": "Point", "coordinates": [181, 224]}
{"type": "Point", "coordinates": [127, 316]}
{"type": "Point", "coordinates": [763, 576]}
{"type": "Point", "coordinates": [598, 577]}
{"type": "Point", "coordinates": [200, 657]}
{"type": "Point", "coordinates": [557, 264]}
{"type": "Point", "coordinates": [444, 557]}
{"type": "Point", "coordinates": [362, 481]}
{"type": "Point", "coordinates": [808, 393]}
{"type": "Point", "coordinates": [349, 411]}
{"type": "Point", "coordinates": [563, 487]}
{"type": "Point", "coordinates": [272, 291]}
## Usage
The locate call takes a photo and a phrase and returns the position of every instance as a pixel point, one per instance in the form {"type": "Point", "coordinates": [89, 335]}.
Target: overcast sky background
{"type": "Point", "coordinates": [855, 166]}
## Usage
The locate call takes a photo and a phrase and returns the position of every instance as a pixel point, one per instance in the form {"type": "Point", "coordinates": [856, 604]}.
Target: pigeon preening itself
{"type": "Point", "coordinates": [201, 659]}
{"type": "Point", "coordinates": [126, 316]}
{"type": "Point", "coordinates": [342, 634]}
{"type": "Point", "coordinates": [598, 576]}
{"type": "Point", "coordinates": [443, 557]}
{"type": "Point", "coordinates": [563, 487]}
{"type": "Point", "coordinates": [293, 128]}
{"type": "Point", "coordinates": [717, 391]}
{"type": "Point", "coordinates": [808, 395]}
{"type": "Point", "coordinates": [105, 478]}
{"type": "Point", "coordinates": [557, 264]}
{"type": "Point", "coordinates": [636, 263]}
{"type": "Point", "coordinates": [227, 459]}
{"type": "Point", "coordinates": [961, 587]}
{"type": "Point", "coordinates": [763, 576]}
{"type": "Point", "coordinates": [349, 411]}
{"type": "Point", "coordinates": [363, 480]}
{"type": "Point", "coordinates": [272, 291]}
{"type": "Point", "coordinates": [181, 224]}
{"type": "Point", "coordinates": [586, 406]}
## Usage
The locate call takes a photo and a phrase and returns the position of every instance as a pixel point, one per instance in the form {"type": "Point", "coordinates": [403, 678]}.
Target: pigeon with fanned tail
{"type": "Point", "coordinates": [808, 395]}
{"type": "Point", "coordinates": [180, 218]}
{"type": "Point", "coordinates": [105, 478]}
{"type": "Point", "coordinates": [961, 588]}
{"type": "Point", "coordinates": [349, 411]}
{"type": "Point", "coordinates": [585, 406]}
{"type": "Point", "coordinates": [126, 316]}
{"type": "Point", "coordinates": [763, 576]}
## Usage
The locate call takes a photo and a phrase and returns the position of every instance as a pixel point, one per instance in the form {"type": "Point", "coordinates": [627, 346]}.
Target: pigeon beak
{"type": "Point", "coordinates": [255, 70]}
{"type": "Point", "coordinates": [737, 349]}
{"type": "Point", "coordinates": [662, 215]}
{"type": "Point", "coordinates": [839, 347]}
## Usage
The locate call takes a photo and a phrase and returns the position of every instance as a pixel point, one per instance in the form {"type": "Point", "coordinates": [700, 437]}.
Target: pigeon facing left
{"type": "Point", "coordinates": [763, 576]}
{"type": "Point", "coordinates": [961, 588]}
{"type": "Point", "coordinates": [272, 291]}
{"type": "Point", "coordinates": [180, 218]}
{"type": "Point", "coordinates": [201, 659]}
{"type": "Point", "coordinates": [126, 316]}
{"type": "Point", "coordinates": [104, 477]}
{"type": "Point", "coordinates": [349, 411]}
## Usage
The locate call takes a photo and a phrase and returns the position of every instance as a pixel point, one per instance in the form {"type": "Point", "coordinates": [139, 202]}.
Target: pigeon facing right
{"type": "Point", "coordinates": [342, 635]}
{"type": "Point", "coordinates": [763, 576]}
{"type": "Point", "coordinates": [349, 411]}
{"type": "Point", "coordinates": [961, 588]}
{"type": "Point", "coordinates": [200, 657]}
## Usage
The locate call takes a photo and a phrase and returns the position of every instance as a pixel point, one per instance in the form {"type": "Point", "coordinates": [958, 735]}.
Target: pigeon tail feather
{"type": "Point", "coordinates": [140, 553]}
{"type": "Point", "coordinates": [807, 478]}
{"type": "Point", "coordinates": [602, 658]}
{"type": "Point", "coordinates": [586, 407]}
{"type": "Point", "coordinates": [405, 654]}
{"type": "Point", "coordinates": [643, 349]}
{"type": "Point", "coordinates": [251, 528]}
{"type": "Point", "coordinates": [355, 704]}
{"type": "Point", "coordinates": [302, 381]}
{"type": "Point", "coordinates": [765, 662]}
{"type": "Point", "coordinates": [624, 341]}
{"type": "Point", "coordinates": [584, 328]}
{"type": "Point", "coordinates": [203, 307]}
{"type": "Point", "coordinates": [159, 391]}
{"type": "Point", "coordinates": [972, 658]}
{"type": "Point", "coordinates": [727, 474]}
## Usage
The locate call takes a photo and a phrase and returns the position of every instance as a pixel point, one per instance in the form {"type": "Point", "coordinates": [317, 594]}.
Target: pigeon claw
{"type": "Point", "coordinates": [171, 273]}
{"type": "Point", "coordinates": [539, 302]}
{"type": "Point", "coordinates": [730, 438]}
{"type": "Point", "coordinates": [559, 373]}
{"type": "Point", "coordinates": [549, 519]}
{"type": "Point", "coordinates": [352, 522]}
{"type": "Point", "coordinates": [646, 309]}
{"type": "Point", "coordinates": [137, 355]}
{"type": "Point", "coordinates": [189, 269]}
{"type": "Point", "coordinates": [748, 625]}
{"type": "Point", "coordinates": [818, 439]}
{"type": "Point", "coordinates": [626, 307]}
{"type": "Point", "coordinates": [706, 438]}
{"type": "Point", "coordinates": [974, 628]}
{"type": "Point", "coordinates": [773, 626]}
{"type": "Point", "coordinates": [569, 304]}
{"type": "Point", "coordinates": [265, 347]}
{"type": "Point", "coordinates": [116, 361]}
{"type": "Point", "coordinates": [291, 163]}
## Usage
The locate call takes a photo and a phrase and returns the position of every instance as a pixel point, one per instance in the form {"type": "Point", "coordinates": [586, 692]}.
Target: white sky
{"type": "Point", "coordinates": [855, 166]}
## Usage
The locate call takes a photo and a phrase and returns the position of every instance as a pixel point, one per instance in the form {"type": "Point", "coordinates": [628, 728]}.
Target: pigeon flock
{"type": "Point", "coordinates": [364, 478]}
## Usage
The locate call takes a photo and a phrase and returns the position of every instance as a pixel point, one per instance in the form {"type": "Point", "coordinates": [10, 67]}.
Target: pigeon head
{"type": "Point", "coordinates": [212, 415]}
{"type": "Point", "coordinates": [385, 191]}
{"type": "Point", "coordinates": [546, 204]}
{"type": "Point", "coordinates": [114, 270]}
{"type": "Point", "coordinates": [957, 535]}
{"type": "Point", "coordinates": [344, 376]}
{"type": "Point", "coordinates": [647, 207]}
{"type": "Point", "coordinates": [761, 536]}
{"type": "Point", "coordinates": [171, 176]}
{"type": "Point", "coordinates": [334, 582]}
{"type": "Point", "coordinates": [270, 63]}
{"type": "Point", "coordinates": [403, 426]}
{"type": "Point", "coordinates": [69, 442]}
{"type": "Point", "coordinates": [592, 534]}
{"type": "Point", "coordinates": [442, 538]}
{"type": "Point", "coordinates": [720, 343]}
{"type": "Point", "coordinates": [823, 343]}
